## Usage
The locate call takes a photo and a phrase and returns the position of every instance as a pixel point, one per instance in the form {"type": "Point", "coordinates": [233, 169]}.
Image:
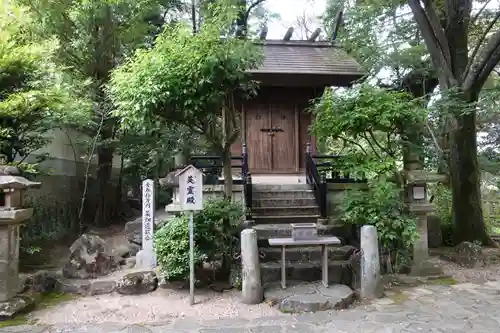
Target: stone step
{"type": "Point", "coordinates": [307, 253]}
{"type": "Point", "coordinates": [283, 230]}
{"type": "Point", "coordinates": [280, 219]}
{"type": "Point", "coordinates": [286, 194]}
{"type": "Point", "coordinates": [285, 211]}
{"type": "Point", "coordinates": [280, 187]}
{"type": "Point", "coordinates": [284, 202]}
{"type": "Point", "coordinates": [338, 271]}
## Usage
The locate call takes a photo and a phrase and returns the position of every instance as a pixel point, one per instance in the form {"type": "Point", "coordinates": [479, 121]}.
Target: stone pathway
{"type": "Point", "coordinates": [427, 309]}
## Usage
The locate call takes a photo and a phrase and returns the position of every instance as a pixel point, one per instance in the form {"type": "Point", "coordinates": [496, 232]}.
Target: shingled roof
{"type": "Point", "coordinates": [307, 57]}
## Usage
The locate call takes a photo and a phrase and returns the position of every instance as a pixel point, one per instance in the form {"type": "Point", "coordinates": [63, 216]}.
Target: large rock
{"type": "Point", "coordinates": [133, 229]}
{"type": "Point", "coordinates": [468, 254]}
{"type": "Point", "coordinates": [309, 297]}
{"type": "Point", "coordinates": [137, 283]}
{"type": "Point", "coordinates": [89, 257]}
{"type": "Point", "coordinates": [16, 305]}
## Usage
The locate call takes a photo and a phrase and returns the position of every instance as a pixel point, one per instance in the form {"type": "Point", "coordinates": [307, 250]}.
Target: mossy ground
{"type": "Point", "coordinates": [41, 301]}
{"type": "Point", "coordinates": [444, 281]}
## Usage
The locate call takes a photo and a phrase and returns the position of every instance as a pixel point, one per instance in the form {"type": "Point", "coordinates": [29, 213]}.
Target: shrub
{"type": "Point", "coordinates": [441, 198]}
{"type": "Point", "coordinates": [381, 205]}
{"type": "Point", "coordinates": [52, 220]}
{"type": "Point", "coordinates": [215, 230]}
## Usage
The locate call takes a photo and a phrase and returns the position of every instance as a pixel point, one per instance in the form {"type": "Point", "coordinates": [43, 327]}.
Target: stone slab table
{"type": "Point", "coordinates": [320, 241]}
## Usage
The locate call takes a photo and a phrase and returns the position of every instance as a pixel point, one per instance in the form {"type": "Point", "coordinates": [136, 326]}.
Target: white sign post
{"type": "Point", "coordinates": [191, 199]}
{"type": "Point", "coordinates": [146, 258]}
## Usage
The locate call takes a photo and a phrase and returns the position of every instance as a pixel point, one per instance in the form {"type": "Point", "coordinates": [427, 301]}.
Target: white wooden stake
{"type": "Point", "coordinates": [191, 259]}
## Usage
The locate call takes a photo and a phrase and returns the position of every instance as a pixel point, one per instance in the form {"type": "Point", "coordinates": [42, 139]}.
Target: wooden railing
{"type": "Point", "coordinates": [322, 170]}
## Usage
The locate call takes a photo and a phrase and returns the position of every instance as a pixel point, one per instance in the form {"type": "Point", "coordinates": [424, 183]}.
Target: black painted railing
{"type": "Point", "coordinates": [317, 181]}
{"type": "Point", "coordinates": [212, 167]}
{"type": "Point", "coordinates": [247, 184]}
{"type": "Point", "coordinates": [322, 170]}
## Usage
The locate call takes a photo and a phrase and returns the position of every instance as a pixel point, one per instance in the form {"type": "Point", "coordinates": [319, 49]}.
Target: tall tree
{"type": "Point", "coordinates": [34, 97]}
{"type": "Point", "coordinates": [191, 79]}
{"type": "Point", "coordinates": [463, 71]}
{"type": "Point", "coordinates": [94, 36]}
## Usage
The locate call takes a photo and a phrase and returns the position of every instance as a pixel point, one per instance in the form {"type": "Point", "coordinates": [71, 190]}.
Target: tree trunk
{"type": "Point", "coordinates": [104, 169]}
{"type": "Point", "coordinates": [227, 172]}
{"type": "Point", "coordinates": [468, 217]}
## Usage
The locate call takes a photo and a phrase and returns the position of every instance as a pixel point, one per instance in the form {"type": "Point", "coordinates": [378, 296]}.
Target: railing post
{"type": "Point", "coordinates": [323, 186]}
{"type": "Point", "coordinates": [307, 156]}
{"type": "Point", "coordinates": [244, 162]}
{"type": "Point", "coordinates": [248, 197]}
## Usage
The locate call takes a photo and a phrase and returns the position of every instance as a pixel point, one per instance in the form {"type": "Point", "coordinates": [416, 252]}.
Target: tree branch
{"type": "Point", "coordinates": [354, 143]}
{"type": "Point", "coordinates": [438, 30]}
{"type": "Point", "coordinates": [251, 7]}
{"type": "Point", "coordinates": [482, 68]}
{"type": "Point", "coordinates": [363, 135]}
{"type": "Point", "coordinates": [377, 143]}
{"type": "Point", "coordinates": [478, 45]}
{"type": "Point", "coordinates": [431, 41]}
{"type": "Point", "coordinates": [476, 17]}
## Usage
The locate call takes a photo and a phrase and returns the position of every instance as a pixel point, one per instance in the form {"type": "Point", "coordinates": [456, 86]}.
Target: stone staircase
{"type": "Point", "coordinates": [274, 209]}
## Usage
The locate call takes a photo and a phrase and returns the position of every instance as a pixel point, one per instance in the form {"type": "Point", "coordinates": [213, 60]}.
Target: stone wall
{"type": "Point", "coordinates": [217, 191]}
{"type": "Point", "coordinates": [336, 193]}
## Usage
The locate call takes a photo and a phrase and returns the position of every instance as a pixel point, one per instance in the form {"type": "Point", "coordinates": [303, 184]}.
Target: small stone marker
{"type": "Point", "coordinates": [370, 262]}
{"type": "Point", "coordinates": [191, 199]}
{"type": "Point", "coordinates": [146, 258]}
{"type": "Point", "coordinates": [251, 285]}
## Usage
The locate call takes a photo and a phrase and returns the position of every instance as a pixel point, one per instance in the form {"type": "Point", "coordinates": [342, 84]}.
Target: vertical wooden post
{"type": "Point", "coordinates": [323, 193]}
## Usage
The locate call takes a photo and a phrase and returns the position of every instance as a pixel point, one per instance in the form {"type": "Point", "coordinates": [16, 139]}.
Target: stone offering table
{"type": "Point", "coordinates": [320, 241]}
{"type": "Point", "coordinates": [12, 214]}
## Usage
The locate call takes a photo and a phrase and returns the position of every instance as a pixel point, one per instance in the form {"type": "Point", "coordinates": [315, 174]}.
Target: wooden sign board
{"type": "Point", "coordinates": [190, 189]}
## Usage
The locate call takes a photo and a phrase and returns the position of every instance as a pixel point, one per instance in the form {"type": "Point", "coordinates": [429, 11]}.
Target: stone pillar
{"type": "Point", "coordinates": [251, 290]}
{"type": "Point", "coordinates": [420, 207]}
{"type": "Point", "coordinates": [370, 263]}
{"type": "Point", "coordinates": [9, 261]}
{"type": "Point", "coordinates": [12, 214]}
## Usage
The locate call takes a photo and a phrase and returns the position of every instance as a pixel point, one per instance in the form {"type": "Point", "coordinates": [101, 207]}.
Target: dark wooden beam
{"type": "Point", "coordinates": [288, 34]}
{"type": "Point", "coordinates": [263, 33]}
{"type": "Point", "coordinates": [314, 35]}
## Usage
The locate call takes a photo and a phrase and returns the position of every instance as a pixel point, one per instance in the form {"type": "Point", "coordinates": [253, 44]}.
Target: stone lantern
{"type": "Point", "coordinates": [12, 215]}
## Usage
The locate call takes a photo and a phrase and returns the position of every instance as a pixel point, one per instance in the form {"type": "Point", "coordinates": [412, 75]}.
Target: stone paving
{"type": "Point", "coordinates": [425, 309]}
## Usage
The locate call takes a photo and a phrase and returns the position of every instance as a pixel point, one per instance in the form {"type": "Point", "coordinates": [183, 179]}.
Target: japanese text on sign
{"type": "Point", "coordinates": [147, 211]}
{"type": "Point", "coordinates": [191, 189]}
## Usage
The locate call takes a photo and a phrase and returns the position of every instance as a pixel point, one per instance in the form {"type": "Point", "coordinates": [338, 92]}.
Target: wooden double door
{"type": "Point", "coordinates": [272, 138]}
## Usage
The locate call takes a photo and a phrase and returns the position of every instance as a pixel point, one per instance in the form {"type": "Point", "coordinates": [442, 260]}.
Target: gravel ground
{"type": "Point", "coordinates": [488, 272]}
{"type": "Point", "coordinates": [161, 305]}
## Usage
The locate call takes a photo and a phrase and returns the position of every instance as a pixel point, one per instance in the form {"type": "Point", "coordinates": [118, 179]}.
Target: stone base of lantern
{"type": "Point", "coordinates": [426, 268]}
{"type": "Point", "coordinates": [9, 260]}
{"type": "Point", "coordinates": [16, 305]}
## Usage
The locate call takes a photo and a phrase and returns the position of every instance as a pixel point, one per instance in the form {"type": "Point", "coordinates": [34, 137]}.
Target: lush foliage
{"type": "Point", "coordinates": [214, 234]}
{"type": "Point", "coordinates": [34, 97]}
{"type": "Point", "coordinates": [369, 125]}
{"type": "Point", "coordinates": [184, 77]}
{"type": "Point", "coordinates": [381, 205]}
{"type": "Point", "coordinates": [191, 79]}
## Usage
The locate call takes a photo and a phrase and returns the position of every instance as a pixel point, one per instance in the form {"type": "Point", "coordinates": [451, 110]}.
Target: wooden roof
{"type": "Point", "coordinates": [320, 62]}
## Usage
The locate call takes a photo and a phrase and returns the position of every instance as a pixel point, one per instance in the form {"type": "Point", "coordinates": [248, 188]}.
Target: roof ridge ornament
{"type": "Point", "coordinates": [288, 34]}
